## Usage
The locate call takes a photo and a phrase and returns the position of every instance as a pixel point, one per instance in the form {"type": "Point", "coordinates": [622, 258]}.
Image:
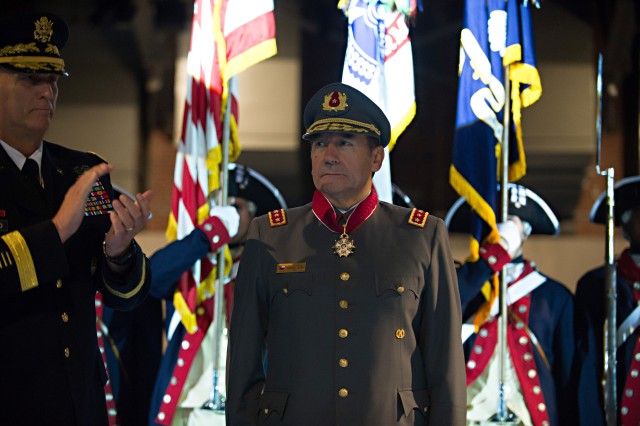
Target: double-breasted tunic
{"type": "Point", "coordinates": [368, 339]}
{"type": "Point", "coordinates": [50, 369]}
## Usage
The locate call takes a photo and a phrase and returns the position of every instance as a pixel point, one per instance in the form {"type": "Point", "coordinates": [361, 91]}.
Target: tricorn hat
{"type": "Point", "coordinates": [247, 183]}
{"type": "Point", "coordinates": [523, 202]}
{"type": "Point", "coordinates": [626, 194]}
{"type": "Point", "coordinates": [400, 198]}
{"type": "Point", "coordinates": [340, 108]}
{"type": "Point", "coordinates": [32, 43]}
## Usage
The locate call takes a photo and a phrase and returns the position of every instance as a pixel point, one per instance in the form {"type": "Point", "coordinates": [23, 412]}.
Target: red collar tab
{"type": "Point", "coordinates": [418, 218]}
{"type": "Point", "coordinates": [326, 214]}
{"type": "Point", "coordinates": [277, 218]}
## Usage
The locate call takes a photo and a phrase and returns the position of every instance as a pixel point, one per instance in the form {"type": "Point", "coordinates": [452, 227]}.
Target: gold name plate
{"type": "Point", "coordinates": [286, 268]}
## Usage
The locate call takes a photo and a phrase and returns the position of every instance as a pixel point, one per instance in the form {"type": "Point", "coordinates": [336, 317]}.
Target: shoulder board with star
{"type": "Point", "coordinates": [95, 154]}
{"type": "Point", "coordinates": [418, 218]}
{"type": "Point", "coordinates": [277, 218]}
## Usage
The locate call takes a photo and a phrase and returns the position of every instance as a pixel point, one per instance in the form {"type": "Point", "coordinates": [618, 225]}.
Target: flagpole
{"type": "Point", "coordinates": [610, 328]}
{"type": "Point", "coordinates": [217, 398]}
{"type": "Point", "coordinates": [502, 414]}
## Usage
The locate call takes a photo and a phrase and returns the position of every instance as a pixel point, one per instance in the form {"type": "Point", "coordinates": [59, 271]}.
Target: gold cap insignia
{"type": "Point", "coordinates": [44, 29]}
{"type": "Point", "coordinates": [335, 101]}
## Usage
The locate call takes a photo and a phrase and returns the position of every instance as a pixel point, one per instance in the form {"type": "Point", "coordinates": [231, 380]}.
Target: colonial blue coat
{"type": "Point", "coordinates": [590, 316]}
{"type": "Point", "coordinates": [50, 369]}
{"type": "Point", "coordinates": [550, 320]}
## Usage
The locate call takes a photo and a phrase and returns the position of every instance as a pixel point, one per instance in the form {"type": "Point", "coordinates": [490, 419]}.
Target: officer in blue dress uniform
{"type": "Point", "coordinates": [63, 237]}
{"type": "Point", "coordinates": [591, 314]}
{"type": "Point", "coordinates": [540, 333]}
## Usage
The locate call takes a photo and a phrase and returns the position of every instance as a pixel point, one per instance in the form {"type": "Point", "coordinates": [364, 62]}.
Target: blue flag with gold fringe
{"type": "Point", "coordinates": [495, 33]}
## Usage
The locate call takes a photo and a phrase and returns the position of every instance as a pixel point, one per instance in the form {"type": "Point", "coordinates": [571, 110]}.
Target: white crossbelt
{"type": "Point", "coordinates": [628, 326]}
{"type": "Point", "coordinates": [515, 292]}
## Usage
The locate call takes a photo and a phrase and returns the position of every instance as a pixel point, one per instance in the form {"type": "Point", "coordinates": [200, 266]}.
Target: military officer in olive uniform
{"type": "Point", "coordinates": [346, 310]}
{"type": "Point", "coordinates": [63, 237]}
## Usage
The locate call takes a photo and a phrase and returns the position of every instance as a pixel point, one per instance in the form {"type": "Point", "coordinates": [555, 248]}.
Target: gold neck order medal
{"type": "Point", "coordinates": [344, 246]}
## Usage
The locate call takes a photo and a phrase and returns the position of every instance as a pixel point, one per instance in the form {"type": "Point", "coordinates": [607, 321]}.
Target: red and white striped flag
{"type": "Point", "coordinates": [228, 36]}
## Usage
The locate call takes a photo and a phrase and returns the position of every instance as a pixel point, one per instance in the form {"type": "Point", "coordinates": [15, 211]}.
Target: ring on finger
{"type": "Point", "coordinates": [129, 229]}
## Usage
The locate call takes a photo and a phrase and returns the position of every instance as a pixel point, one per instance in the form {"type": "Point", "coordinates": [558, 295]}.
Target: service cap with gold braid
{"type": "Point", "coordinates": [340, 108]}
{"type": "Point", "coordinates": [32, 42]}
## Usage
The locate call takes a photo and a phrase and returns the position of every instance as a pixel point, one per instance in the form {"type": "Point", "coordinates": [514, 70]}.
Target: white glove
{"type": "Point", "coordinates": [229, 217]}
{"type": "Point", "coordinates": [511, 236]}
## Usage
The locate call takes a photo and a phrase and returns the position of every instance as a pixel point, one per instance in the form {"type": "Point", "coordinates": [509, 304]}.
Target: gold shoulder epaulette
{"type": "Point", "coordinates": [277, 218]}
{"type": "Point", "coordinates": [418, 218]}
{"type": "Point", "coordinates": [98, 155]}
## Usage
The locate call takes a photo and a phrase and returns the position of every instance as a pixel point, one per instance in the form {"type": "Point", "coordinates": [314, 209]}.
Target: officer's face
{"type": "Point", "coordinates": [342, 166]}
{"type": "Point", "coordinates": [27, 104]}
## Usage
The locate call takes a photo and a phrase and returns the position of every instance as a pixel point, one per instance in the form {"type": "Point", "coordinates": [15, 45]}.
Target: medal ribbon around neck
{"type": "Point", "coordinates": [326, 214]}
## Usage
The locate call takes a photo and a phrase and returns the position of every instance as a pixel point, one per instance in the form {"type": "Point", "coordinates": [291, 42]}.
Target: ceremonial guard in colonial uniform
{"type": "Point", "coordinates": [350, 319]}
{"type": "Point", "coordinates": [185, 378]}
{"type": "Point", "coordinates": [540, 327]}
{"type": "Point", "coordinates": [591, 314]}
{"type": "Point", "coordinates": [63, 237]}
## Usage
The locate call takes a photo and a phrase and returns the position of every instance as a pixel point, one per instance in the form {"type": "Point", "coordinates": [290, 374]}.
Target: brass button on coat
{"type": "Point", "coordinates": [343, 393]}
{"type": "Point", "coordinates": [343, 304]}
{"type": "Point", "coordinates": [344, 276]}
{"type": "Point", "coordinates": [400, 289]}
{"type": "Point", "coordinates": [400, 333]}
{"type": "Point", "coordinates": [285, 290]}
{"type": "Point", "coordinates": [58, 283]}
{"type": "Point", "coordinates": [67, 352]}
{"type": "Point", "coordinates": [65, 317]}
{"type": "Point", "coordinates": [343, 362]}
{"type": "Point", "coordinates": [343, 333]}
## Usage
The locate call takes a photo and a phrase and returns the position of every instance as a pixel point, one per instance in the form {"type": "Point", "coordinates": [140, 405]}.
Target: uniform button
{"type": "Point", "coordinates": [185, 345]}
{"type": "Point", "coordinates": [345, 276]}
{"type": "Point", "coordinates": [215, 239]}
{"type": "Point", "coordinates": [67, 352]}
{"type": "Point", "coordinates": [180, 362]}
{"type": "Point", "coordinates": [634, 373]}
{"type": "Point", "coordinates": [537, 390]}
{"type": "Point", "coordinates": [542, 407]}
{"type": "Point", "coordinates": [519, 325]}
{"type": "Point", "coordinates": [343, 393]}
{"type": "Point", "coordinates": [484, 332]}
{"type": "Point", "coordinates": [343, 304]}
{"type": "Point", "coordinates": [523, 340]}
{"type": "Point", "coordinates": [58, 283]}
{"type": "Point", "coordinates": [343, 362]}
{"type": "Point", "coordinates": [208, 227]}
{"type": "Point", "coordinates": [400, 333]}
{"type": "Point", "coordinates": [200, 310]}
{"type": "Point", "coordinates": [166, 398]}
{"type": "Point", "coordinates": [471, 365]}
{"type": "Point", "coordinates": [531, 373]}
{"type": "Point", "coordinates": [65, 317]}
{"type": "Point", "coordinates": [527, 356]}
{"type": "Point", "coordinates": [636, 285]}
{"type": "Point", "coordinates": [161, 416]}
{"type": "Point", "coordinates": [545, 423]}
{"type": "Point", "coordinates": [478, 349]}
{"type": "Point", "coordinates": [637, 356]}
{"type": "Point", "coordinates": [522, 309]}
{"type": "Point", "coordinates": [492, 260]}
{"type": "Point", "coordinates": [628, 393]}
{"type": "Point", "coordinates": [624, 411]}
{"type": "Point", "coordinates": [285, 290]}
{"type": "Point", "coordinates": [173, 381]}
{"type": "Point", "coordinates": [266, 411]}
{"type": "Point", "coordinates": [343, 333]}
{"type": "Point", "coordinates": [400, 289]}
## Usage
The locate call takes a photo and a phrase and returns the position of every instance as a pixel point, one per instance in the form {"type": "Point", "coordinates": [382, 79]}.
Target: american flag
{"type": "Point", "coordinates": [228, 36]}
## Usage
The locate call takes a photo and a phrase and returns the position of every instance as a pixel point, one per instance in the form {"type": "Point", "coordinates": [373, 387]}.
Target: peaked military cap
{"type": "Point", "coordinates": [523, 202]}
{"type": "Point", "coordinates": [626, 194]}
{"type": "Point", "coordinates": [32, 43]}
{"type": "Point", "coordinates": [340, 108]}
{"type": "Point", "coordinates": [247, 183]}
